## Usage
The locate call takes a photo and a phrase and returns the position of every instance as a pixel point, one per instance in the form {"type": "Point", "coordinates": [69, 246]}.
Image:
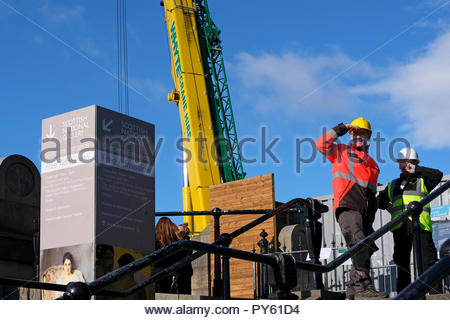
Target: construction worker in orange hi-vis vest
{"type": "Point", "coordinates": [355, 176]}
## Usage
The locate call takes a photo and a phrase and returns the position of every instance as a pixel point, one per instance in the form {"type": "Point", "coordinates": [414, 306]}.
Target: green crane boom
{"type": "Point", "coordinates": [227, 142]}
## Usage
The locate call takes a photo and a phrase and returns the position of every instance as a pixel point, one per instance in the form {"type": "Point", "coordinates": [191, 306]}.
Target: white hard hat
{"type": "Point", "coordinates": [408, 154]}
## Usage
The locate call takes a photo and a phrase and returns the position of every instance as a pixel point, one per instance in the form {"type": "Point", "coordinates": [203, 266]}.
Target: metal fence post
{"type": "Point", "coordinates": [226, 277]}
{"type": "Point", "coordinates": [263, 244]}
{"type": "Point", "coordinates": [36, 246]}
{"type": "Point", "coordinates": [282, 277]}
{"type": "Point", "coordinates": [255, 283]}
{"type": "Point", "coordinates": [226, 240]}
{"type": "Point", "coordinates": [217, 283]}
{"type": "Point", "coordinates": [417, 210]}
{"type": "Point", "coordinates": [314, 240]}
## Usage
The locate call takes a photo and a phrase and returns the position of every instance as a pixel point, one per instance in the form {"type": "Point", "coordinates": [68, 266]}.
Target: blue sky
{"type": "Point", "coordinates": [294, 67]}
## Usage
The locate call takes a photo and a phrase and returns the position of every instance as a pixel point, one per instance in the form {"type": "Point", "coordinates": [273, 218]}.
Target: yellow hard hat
{"type": "Point", "coordinates": [362, 123]}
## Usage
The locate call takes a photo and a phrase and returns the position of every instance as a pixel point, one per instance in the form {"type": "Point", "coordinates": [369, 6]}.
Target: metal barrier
{"type": "Point", "coordinates": [216, 213]}
{"type": "Point", "coordinates": [428, 279]}
{"type": "Point", "coordinates": [219, 247]}
{"type": "Point", "coordinates": [282, 267]}
{"type": "Point", "coordinates": [79, 290]}
{"type": "Point", "coordinates": [383, 278]}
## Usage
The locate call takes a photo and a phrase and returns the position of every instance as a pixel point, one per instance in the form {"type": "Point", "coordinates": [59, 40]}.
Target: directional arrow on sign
{"type": "Point", "coordinates": [51, 133]}
{"type": "Point", "coordinates": [106, 125]}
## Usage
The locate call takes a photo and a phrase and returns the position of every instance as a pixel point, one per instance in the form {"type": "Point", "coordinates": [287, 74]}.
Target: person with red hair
{"type": "Point", "coordinates": [166, 233]}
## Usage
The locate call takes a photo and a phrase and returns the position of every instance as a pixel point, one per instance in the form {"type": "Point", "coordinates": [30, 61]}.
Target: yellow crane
{"type": "Point", "coordinates": [210, 143]}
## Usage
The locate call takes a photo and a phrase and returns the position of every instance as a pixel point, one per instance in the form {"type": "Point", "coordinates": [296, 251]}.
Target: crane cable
{"type": "Point", "coordinates": [122, 57]}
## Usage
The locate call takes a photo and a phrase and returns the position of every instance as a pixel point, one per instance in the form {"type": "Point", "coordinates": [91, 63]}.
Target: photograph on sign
{"type": "Point", "coordinates": [66, 264]}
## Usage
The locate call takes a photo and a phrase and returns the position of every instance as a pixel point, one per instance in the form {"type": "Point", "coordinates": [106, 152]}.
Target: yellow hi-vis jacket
{"type": "Point", "coordinates": [400, 203]}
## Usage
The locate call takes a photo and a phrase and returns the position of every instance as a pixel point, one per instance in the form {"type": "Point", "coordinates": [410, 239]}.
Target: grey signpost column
{"type": "Point", "coordinates": [98, 192]}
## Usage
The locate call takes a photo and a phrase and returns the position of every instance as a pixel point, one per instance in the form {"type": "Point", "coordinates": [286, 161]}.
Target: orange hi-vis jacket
{"type": "Point", "coordinates": [355, 173]}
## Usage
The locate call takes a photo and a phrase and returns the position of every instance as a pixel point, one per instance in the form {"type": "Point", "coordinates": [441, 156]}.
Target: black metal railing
{"type": "Point", "coordinates": [425, 281]}
{"type": "Point", "coordinates": [282, 275]}
{"type": "Point", "coordinates": [219, 247]}
{"type": "Point", "coordinates": [414, 210]}
{"type": "Point", "coordinates": [79, 290]}
{"type": "Point", "coordinates": [216, 213]}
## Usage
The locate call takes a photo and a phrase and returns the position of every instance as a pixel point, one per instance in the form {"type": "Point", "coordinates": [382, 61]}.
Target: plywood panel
{"type": "Point", "coordinates": [247, 194]}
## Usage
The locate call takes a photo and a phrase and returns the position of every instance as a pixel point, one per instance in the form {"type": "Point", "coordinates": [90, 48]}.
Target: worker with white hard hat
{"type": "Point", "coordinates": [414, 183]}
{"type": "Point", "coordinates": [355, 176]}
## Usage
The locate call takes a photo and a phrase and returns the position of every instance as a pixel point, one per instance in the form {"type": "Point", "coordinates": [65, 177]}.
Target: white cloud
{"type": "Point", "coordinates": [419, 92]}
{"type": "Point", "coordinates": [53, 13]}
{"type": "Point", "coordinates": [295, 83]}
{"type": "Point", "coordinates": [414, 94]}
{"type": "Point", "coordinates": [422, 5]}
{"type": "Point", "coordinates": [440, 24]}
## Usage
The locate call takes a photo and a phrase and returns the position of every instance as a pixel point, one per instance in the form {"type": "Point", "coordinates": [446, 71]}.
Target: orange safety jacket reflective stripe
{"type": "Point", "coordinates": [355, 173]}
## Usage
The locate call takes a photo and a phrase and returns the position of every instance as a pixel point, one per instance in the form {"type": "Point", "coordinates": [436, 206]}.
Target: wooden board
{"type": "Point", "coordinates": [247, 194]}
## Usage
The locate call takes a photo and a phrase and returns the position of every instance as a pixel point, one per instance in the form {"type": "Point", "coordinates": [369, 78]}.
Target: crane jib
{"type": "Point", "coordinates": [177, 65]}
